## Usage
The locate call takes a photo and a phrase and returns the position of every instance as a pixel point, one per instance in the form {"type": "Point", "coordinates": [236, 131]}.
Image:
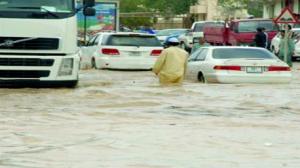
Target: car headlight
{"type": "Point", "coordinates": [66, 67]}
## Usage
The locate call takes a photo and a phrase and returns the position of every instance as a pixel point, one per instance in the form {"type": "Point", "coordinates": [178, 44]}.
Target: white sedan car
{"type": "Point", "coordinates": [237, 65]}
{"type": "Point", "coordinates": [128, 51]}
{"type": "Point", "coordinates": [276, 42]}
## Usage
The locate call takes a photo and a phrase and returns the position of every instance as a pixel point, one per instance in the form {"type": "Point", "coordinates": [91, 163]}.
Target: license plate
{"type": "Point", "coordinates": [254, 69]}
{"type": "Point", "coordinates": [135, 53]}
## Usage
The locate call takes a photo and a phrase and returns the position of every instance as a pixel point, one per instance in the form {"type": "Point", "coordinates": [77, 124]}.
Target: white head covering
{"type": "Point", "coordinates": [173, 40]}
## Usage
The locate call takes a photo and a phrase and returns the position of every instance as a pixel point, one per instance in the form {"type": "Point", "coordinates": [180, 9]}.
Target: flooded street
{"type": "Point", "coordinates": [127, 120]}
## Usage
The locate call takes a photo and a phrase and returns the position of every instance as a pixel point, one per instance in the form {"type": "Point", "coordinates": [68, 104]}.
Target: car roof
{"type": "Point", "coordinates": [176, 29]}
{"type": "Point", "coordinates": [233, 47]}
{"type": "Point", "coordinates": [243, 20]}
{"type": "Point", "coordinates": [216, 21]}
{"type": "Point", "coordinates": [126, 33]}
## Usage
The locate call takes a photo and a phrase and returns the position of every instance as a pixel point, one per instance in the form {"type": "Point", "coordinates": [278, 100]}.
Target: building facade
{"type": "Point", "coordinates": [211, 10]}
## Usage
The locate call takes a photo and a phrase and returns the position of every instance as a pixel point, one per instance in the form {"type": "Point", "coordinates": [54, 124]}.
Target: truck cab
{"type": "Point", "coordinates": [38, 43]}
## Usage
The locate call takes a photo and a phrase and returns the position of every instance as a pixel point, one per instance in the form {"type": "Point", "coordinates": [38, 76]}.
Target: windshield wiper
{"type": "Point", "coordinates": [41, 8]}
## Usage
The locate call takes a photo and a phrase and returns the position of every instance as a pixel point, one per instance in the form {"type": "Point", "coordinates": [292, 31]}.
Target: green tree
{"type": "Point", "coordinates": [229, 7]}
{"type": "Point", "coordinates": [133, 6]}
{"type": "Point", "coordinates": [172, 6]}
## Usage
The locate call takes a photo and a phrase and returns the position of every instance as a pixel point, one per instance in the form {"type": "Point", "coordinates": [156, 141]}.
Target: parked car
{"type": "Point", "coordinates": [166, 34]}
{"type": "Point", "coordinates": [186, 40]}
{"type": "Point", "coordinates": [276, 42]}
{"type": "Point", "coordinates": [237, 65]}
{"type": "Point", "coordinates": [122, 51]}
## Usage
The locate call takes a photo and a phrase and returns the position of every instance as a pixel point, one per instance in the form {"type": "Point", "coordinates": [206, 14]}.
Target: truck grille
{"type": "Point", "coordinates": [26, 62]}
{"type": "Point", "coordinates": [23, 74]}
{"type": "Point", "coordinates": [27, 43]}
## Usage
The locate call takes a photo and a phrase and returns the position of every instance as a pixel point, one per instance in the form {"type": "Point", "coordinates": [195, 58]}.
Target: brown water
{"type": "Point", "coordinates": [126, 120]}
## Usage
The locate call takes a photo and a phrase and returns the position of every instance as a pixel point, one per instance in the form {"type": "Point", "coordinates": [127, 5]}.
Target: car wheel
{"type": "Point", "coordinates": [201, 78]}
{"type": "Point", "coordinates": [94, 66]}
{"type": "Point", "coordinates": [182, 46]}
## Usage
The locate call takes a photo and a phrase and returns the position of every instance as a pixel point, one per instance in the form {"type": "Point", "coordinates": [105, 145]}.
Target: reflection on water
{"type": "Point", "coordinates": [126, 120]}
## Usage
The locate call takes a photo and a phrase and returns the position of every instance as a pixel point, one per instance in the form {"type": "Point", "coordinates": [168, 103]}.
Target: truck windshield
{"type": "Point", "coordinates": [242, 53]}
{"type": "Point", "coordinates": [251, 26]}
{"type": "Point", "coordinates": [54, 6]}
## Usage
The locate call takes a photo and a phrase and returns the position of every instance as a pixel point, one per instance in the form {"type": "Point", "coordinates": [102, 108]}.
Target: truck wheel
{"type": "Point", "coordinates": [201, 78]}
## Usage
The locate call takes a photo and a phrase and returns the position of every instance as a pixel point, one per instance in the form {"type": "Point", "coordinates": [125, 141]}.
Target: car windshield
{"type": "Point", "coordinates": [242, 53]}
{"type": "Point", "coordinates": [133, 40]}
{"type": "Point", "coordinates": [59, 6]}
{"type": "Point", "coordinates": [171, 32]}
{"type": "Point", "coordinates": [200, 26]}
{"type": "Point", "coordinates": [252, 26]}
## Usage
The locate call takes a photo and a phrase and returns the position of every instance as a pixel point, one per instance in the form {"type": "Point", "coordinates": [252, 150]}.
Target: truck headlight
{"type": "Point", "coordinates": [66, 67]}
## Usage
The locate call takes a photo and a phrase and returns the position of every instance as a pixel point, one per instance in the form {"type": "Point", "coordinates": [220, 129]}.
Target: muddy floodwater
{"type": "Point", "coordinates": [125, 119]}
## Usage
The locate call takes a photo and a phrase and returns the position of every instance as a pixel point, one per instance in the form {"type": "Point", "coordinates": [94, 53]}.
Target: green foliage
{"type": "Point", "coordinates": [256, 9]}
{"type": "Point", "coordinates": [135, 22]}
{"type": "Point", "coordinates": [132, 6]}
{"type": "Point", "coordinates": [229, 7]}
{"type": "Point", "coordinates": [173, 6]}
{"type": "Point", "coordinates": [164, 6]}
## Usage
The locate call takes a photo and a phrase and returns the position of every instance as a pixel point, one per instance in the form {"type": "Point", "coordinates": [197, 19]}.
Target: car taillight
{"type": "Point", "coordinates": [279, 68]}
{"type": "Point", "coordinates": [229, 68]}
{"type": "Point", "coordinates": [110, 51]}
{"type": "Point", "coordinates": [156, 52]}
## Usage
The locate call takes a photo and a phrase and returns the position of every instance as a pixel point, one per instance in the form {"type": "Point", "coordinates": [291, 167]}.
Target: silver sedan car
{"type": "Point", "coordinates": [237, 65]}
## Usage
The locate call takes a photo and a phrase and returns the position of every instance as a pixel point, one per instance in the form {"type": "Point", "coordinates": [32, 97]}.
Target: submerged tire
{"type": "Point", "coordinates": [94, 66]}
{"type": "Point", "coordinates": [201, 78]}
{"type": "Point", "coordinates": [182, 46]}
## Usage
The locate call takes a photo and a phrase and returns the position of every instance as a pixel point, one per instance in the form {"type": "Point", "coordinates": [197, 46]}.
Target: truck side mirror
{"type": "Point", "coordinates": [89, 11]}
{"type": "Point", "coordinates": [88, 3]}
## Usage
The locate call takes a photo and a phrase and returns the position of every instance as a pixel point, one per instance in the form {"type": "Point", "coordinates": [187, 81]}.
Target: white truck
{"type": "Point", "coordinates": [187, 40]}
{"type": "Point", "coordinates": [38, 42]}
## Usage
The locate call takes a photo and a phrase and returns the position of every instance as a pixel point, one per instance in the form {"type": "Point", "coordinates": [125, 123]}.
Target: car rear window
{"type": "Point", "coordinates": [135, 40]}
{"type": "Point", "coordinates": [240, 53]}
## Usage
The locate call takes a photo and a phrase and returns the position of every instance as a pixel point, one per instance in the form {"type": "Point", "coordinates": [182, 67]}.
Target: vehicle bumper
{"type": "Point", "coordinates": [126, 63]}
{"type": "Point", "coordinates": [250, 79]}
{"type": "Point", "coordinates": [37, 84]}
{"type": "Point", "coordinates": [52, 79]}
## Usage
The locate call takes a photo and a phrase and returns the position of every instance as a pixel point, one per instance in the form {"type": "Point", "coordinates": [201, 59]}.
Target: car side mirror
{"type": "Point", "coordinates": [188, 32]}
{"type": "Point", "coordinates": [89, 11]}
{"type": "Point", "coordinates": [80, 44]}
{"type": "Point", "coordinates": [195, 40]}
